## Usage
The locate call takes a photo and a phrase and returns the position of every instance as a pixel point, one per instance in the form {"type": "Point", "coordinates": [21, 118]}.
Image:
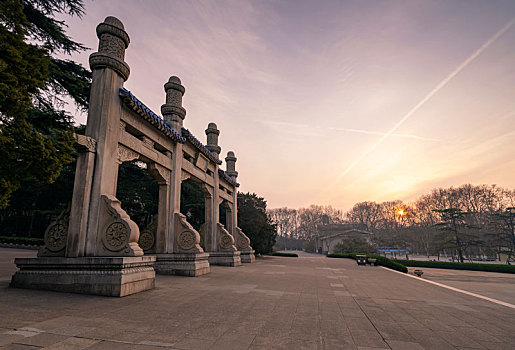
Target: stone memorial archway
{"type": "Point", "coordinates": [93, 248]}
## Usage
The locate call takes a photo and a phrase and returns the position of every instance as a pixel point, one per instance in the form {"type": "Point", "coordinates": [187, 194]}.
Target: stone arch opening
{"type": "Point", "coordinates": [193, 206]}
{"type": "Point", "coordinates": [138, 191]}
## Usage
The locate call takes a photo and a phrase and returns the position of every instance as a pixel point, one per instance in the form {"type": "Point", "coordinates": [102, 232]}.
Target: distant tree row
{"type": "Point", "coordinates": [296, 228]}
{"type": "Point", "coordinates": [465, 221]}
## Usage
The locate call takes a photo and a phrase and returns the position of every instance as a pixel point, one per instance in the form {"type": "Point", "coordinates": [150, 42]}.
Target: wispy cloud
{"type": "Point", "coordinates": [369, 132]}
{"type": "Point", "coordinates": [286, 127]}
{"type": "Point", "coordinates": [435, 90]}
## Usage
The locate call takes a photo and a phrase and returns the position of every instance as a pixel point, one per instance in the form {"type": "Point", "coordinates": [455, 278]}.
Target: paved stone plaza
{"type": "Point", "coordinates": [277, 303]}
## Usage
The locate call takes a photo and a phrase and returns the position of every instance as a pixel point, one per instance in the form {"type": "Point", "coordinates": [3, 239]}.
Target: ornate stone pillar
{"type": "Point", "coordinates": [172, 110]}
{"type": "Point", "coordinates": [181, 253]}
{"type": "Point", "coordinates": [76, 241]}
{"type": "Point", "coordinates": [102, 254]}
{"type": "Point", "coordinates": [212, 134]}
{"type": "Point", "coordinates": [209, 218]}
{"type": "Point", "coordinates": [163, 176]}
{"type": "Point", "coordinates": [230, 162]}
{"type": "Point", "coordinates": [229, 217]}
{"type": "Point", "coordinates": [222, 250]}
{"type": "Point", "coordinates": [242, 242]}
{"type": "Point", "coordinates": [105, 108]}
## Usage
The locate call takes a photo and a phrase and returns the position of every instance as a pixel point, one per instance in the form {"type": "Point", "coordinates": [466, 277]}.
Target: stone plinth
{"type": "Point", "coordinates": [225, 258]}
{"type": "Point", "coordinates": [247, 256]}
{"type": "Point", "coordinates": [108, 276]}
{"type": "Point", "coordinates": [184, 264]}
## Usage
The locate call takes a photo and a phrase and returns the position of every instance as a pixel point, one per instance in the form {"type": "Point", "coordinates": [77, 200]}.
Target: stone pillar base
{"type": "Point", "coordinates": [108, 276]}
{"type": "Point", "coordinates": [248, 256]}
{"type": "Point", "coordinates": [184, 264]}
{"type": "Point", "coordinates": [225, 258]}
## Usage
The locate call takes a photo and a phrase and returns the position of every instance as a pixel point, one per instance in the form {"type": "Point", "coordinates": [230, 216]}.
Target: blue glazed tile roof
{"type": "Point", "coordinates": [139, 107]}
{"type": "Point", "coordinates": [198, 145]}
{"type": "Point", "coordinates": [228, 178]}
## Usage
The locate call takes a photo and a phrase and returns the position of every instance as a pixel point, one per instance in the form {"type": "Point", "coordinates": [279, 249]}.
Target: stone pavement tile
{"type": "Point", "coordinates": [282, 324]}
{"type": "Point", "coordinates": [307, 332]}
{"type": "Point", "coordinates": [497, 346]}
{"type": "Point", "coordinates": [73, 344]}
{"type": "Point", "coordinates": [299, 344]}
{"type": "Point", "coordinates": [392, 331]}
{"type": "Point", "coordinates": [18, 347]}
{"type": "Point", "coordinates": [107, 345]}
{"type": "Point", "coordinates": [257, 347]}
{"type": "Point", "coordinates": [9, 338]}
{"type": "Point", "coordinates": [478, 335]}
{"type": "Point", "coordinates": [379, 317]}
{"type": "Point", "coordinates": [156, 343]}
{"type": "Point", "coordinates": [42, 339]}
{"type": "Point", "coordinates": [208, 331]}
{"type": "Point", "coordinates": [369, 348]}
{"type": "Point", "coordinates": [351, 312]}
{"type": "Point", "coordinates": [458, 339]}
{"type": "Point", "coordinates": [429, 340]}
{"type": "Point", "coordinates": [194, 344]}
{"type": "Point", "coordinates": [138, 337]}
{"type": "Point", "coordinates": [279, 338]}
{"type": "Point", "coordinates": [103, 332]}
{"type": "Point", "coordinates": [330, 328]}
{"type": "Point", "coordinates": [435, 325]}
{"type": "Point", "coordinates": [415, 325]}
{"type": "Point", "coordinates": [360, 324]}
{"type": "Point", "coordinates": [404, 345]}
{"type": "Point", "coordinates": [491, 329]}
{"type": "Point", "coordinates": [368, 338]}
{"type": "Point", "coordinates": [73, 330]}
{"type": "Point", "coordinates": [341, 342]}
{"type": "Point", "coordinates": [248, 326]}
{"type": "Point", "coordinates": [233, 341]}
{"type": "Point", "coordinates": [58, 322]}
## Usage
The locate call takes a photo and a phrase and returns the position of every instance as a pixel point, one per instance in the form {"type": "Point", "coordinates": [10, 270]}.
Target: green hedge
{"type": "Point", "coordinates": [459, 266]}
{"type": "Point", "coordinates": [290, 255]}
{"type": "Point", "coordinates": [21, 240]}
{"type": "Point", "coordinates": [380, 260]}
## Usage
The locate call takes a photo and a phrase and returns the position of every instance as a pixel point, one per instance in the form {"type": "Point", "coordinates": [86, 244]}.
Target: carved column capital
{"type": "Point", "coordinates": [114, 40]}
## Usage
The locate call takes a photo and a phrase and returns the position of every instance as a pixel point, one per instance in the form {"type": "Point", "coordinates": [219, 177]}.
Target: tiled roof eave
{"type": "Point", "coordinates": [133, 103]}
{"type": "Point", "coordinates": [228, 178]}
{"type": "Point", "coordinates": [200, 147]}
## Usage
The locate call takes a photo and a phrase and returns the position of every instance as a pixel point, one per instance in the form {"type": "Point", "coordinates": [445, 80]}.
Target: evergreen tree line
{"type": "Point", "coordinates": [465, 221]}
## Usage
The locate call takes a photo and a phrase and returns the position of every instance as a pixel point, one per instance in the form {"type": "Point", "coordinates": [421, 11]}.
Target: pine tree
{"type": "Point", "coordinates": [36, 135]}
{"type": "Point", "coordinates": [255, 222]}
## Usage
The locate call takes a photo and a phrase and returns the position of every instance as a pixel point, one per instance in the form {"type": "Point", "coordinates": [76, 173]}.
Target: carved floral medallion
{"type": "Point", "coordinates": [116, 236]}
{"type": "Point", "coordinates": [186, 240]}
{"type": "Point", "coordinates": [55, 237]}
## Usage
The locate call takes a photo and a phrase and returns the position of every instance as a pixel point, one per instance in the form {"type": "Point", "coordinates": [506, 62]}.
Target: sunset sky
{"type": "Point", "coordinates": [333, 102]}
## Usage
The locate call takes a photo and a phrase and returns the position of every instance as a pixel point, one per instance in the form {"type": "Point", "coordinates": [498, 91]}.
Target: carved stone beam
{"type": "Point", "coordinates": [161, 174]}
{"type": "Point", "coordinates": [184, 176]}
{"type": "Point", "coordinates": [85, 143]}
{"type": "Point", "coordinates": [126, 155]}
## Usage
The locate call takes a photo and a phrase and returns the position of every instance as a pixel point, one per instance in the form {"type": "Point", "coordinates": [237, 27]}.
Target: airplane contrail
{"type": "Point", "coordinates": [444, 82]}
{"type": "Point", "coordinates": [369, 132]}
{"type": "Point", "coordinates": [358, 131]}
